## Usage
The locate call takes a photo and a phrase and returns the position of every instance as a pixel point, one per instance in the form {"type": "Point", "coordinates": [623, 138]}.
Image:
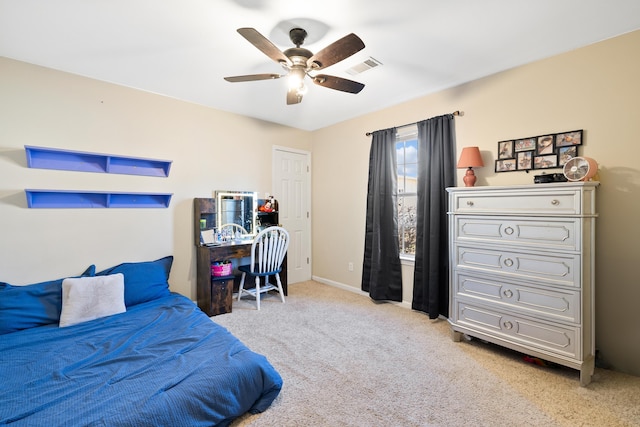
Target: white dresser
{"type": "Point", "coordinates": [522, 269]}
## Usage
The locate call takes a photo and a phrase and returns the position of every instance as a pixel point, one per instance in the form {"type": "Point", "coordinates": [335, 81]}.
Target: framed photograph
{"type": "Point", "coordinates": [544, 145]}
{"type": "Point", "coordinates": [566, 153]}
{"type": "Point", "coordinates": [505, 150]}
{"type": "Point", "coordinates": [506, 165]}
{"type": "Point", "coordinates": [568, 139]}
{"type": "Point", "coordinates": [527, 144]}
{"type": "Point", "coordinates": [524, 160]}
{"type": "Point", "coordinates": [545, 162]}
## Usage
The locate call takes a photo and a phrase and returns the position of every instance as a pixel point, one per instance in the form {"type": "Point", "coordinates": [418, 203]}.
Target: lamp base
{"type": "Point", "coordinates": [469, 178]}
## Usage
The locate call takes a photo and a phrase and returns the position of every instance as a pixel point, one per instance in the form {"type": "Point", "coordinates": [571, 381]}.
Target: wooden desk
{"type": "Point", "coordinates": [213, 295]}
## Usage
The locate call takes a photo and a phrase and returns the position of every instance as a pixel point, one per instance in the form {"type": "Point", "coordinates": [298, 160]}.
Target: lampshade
{"type": "Point", "coordinates": [470, 158]}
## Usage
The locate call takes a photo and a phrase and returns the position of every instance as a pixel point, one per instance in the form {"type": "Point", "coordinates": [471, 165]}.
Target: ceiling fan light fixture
{"type": "Point", "coordinates": [302, 90]}
{"type": "Point", "coordinates": [296, 78]}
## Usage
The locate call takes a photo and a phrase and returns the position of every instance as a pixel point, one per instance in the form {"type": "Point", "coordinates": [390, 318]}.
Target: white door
{"type": "Point", "coordinates": [292, 188]}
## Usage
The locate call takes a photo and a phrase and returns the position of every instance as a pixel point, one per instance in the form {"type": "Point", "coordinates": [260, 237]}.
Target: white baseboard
{"type": "Point", "coordinates": [335, 284]}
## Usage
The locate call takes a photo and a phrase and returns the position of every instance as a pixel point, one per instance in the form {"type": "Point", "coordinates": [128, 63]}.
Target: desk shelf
{"type": "Point", "coordinates": [54, 158]}
{"type": "Point", "coordinates": [57, 199]}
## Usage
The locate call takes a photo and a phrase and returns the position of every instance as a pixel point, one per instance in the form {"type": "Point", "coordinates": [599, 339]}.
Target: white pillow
{"type": "Point", "coordinates": [89, 298]}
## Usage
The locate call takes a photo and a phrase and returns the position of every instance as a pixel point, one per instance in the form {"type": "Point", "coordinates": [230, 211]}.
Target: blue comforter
{"type": "Point", "coordinates": [162, 363]}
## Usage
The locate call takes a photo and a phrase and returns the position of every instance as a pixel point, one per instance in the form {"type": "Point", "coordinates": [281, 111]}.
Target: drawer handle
{"type": "Point", "coordinates": [469, 203]}
{"type": "Point", "coordinates": [508, 325]}
{"type": "Point", "coordinates": [508, 262]}
{"type": "Point", "coordinates": [507, 293]}
{"type": "Point", "coordinates": [555, 202]}
{"type": "Point", "coordinates": [508, 231]}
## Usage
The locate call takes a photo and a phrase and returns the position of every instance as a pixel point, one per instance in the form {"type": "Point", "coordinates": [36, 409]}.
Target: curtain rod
{"type": "Point", "coordinates": [455, 113]}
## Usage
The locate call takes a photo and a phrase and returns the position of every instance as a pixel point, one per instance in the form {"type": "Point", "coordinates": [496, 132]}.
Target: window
{"type": "Point", "coordinates": [407, 169]}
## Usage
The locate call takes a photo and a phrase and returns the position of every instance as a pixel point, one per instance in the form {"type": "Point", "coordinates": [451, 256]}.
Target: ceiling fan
{"type": "Point", "coordinates": [300, 62]}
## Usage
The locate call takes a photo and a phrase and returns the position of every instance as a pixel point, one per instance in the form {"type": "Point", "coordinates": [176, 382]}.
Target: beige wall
{"type": "Point", "coordinates": [595, 88]}
{"type": "Point", "coordinates": [211, 150]}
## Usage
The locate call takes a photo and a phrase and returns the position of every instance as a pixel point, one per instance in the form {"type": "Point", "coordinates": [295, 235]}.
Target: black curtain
{"type": "Point", "coordinates": [436, 172]}
{"type": "Point", "coordinates": [381, 272]}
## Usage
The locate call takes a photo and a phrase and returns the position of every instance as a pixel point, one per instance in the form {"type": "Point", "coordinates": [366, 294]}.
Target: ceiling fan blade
{"type": "Point", "coordinates": [338, 83]}
{"type": "Point", "coordinates": [262, 43]}
{"type": "Point", "coordinates": [336, 52]}
{"type": "Point", "coordinates": [293, 97]}
{"type": "Point", "coordinates": [252, 77]}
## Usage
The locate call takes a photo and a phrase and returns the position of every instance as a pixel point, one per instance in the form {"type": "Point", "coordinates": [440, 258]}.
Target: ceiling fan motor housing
{"type": "Point", "coordinates": [298, 55]}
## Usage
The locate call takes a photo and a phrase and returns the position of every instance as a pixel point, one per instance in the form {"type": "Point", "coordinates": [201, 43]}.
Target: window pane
{"type": "Point", "coordinates": [407, 170]}
{"type": "Point", "coordinates": [400, 153]}
{"type": "Point", "coordinates": [407, 221]}
{"type": "Point", "coordinates": [411, 157]}
{"type": "Point", "coordinates": [411, 151]}
{"type": "Point", "coordinates": [401, 185]}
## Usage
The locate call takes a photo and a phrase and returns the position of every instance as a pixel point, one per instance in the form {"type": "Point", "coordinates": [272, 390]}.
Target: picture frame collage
{"type": "Point", "coordinates": [548, 151]}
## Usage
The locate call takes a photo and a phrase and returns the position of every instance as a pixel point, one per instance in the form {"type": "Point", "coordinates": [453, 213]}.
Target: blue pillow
{"type": "Point", "coordinates": [143, 281]}
{"type": "Point", "coordinates": [29, 306]}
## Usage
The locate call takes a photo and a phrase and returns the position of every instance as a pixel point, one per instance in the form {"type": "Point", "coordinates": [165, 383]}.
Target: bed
{"type": "Point", "coordinates": [158, 361]}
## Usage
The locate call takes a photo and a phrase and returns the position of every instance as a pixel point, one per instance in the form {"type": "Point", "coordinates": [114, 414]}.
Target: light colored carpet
{"type": "Point", "coordinates": [348, 361]}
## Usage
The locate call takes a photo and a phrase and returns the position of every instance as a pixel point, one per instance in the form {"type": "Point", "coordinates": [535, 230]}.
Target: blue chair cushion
{"type": "Point", "coordinates": [247, 269]}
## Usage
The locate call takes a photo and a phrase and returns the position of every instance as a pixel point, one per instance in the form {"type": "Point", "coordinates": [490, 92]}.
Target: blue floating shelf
{"type": "Point", "coordinates": [54, 158]}
{"type": "Point", "coordinates": [95, 199]}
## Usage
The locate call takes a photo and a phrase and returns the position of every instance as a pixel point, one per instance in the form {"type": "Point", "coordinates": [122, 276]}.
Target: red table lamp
{"type": "Point", "coordinates": [470, 158]}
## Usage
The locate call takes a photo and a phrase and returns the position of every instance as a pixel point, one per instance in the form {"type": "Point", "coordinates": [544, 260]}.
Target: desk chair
{"type": "Point", "coordinates": [267, 253]}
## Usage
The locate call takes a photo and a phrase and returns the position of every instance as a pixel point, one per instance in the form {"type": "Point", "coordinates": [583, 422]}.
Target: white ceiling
{"type": "Point", "coordinates": [184, 48]}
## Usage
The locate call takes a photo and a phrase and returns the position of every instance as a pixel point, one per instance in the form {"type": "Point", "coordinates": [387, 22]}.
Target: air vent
{"type": "Point", "coordinates": [364, 66]}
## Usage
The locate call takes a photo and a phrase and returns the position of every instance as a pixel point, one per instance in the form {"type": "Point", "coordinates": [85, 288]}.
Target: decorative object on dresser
{"type": "Point", "coordinates": [580, 169]}
{"type": "Point", "coordinates": [522, 269]}
{"type": "Point", "coordinates": [470, 158]}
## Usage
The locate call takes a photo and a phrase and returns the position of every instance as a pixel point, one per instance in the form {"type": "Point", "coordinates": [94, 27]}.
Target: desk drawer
{"type": "Point", "coordinates": [560, 234]}
{"type": "Point", "coordinates": [558, 269]}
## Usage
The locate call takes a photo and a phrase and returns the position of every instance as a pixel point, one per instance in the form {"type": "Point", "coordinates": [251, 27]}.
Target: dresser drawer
{"type": "Point", "coordinates": [559, 269]}
{"type": "Point", "coordinates": [559, 339]}
{"type": "Point", "coordinates": [546, 303]}
{"type": "Point", "coordinates": [550, 233]}
{"type": "Point", "coordinates": [542, 201]}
